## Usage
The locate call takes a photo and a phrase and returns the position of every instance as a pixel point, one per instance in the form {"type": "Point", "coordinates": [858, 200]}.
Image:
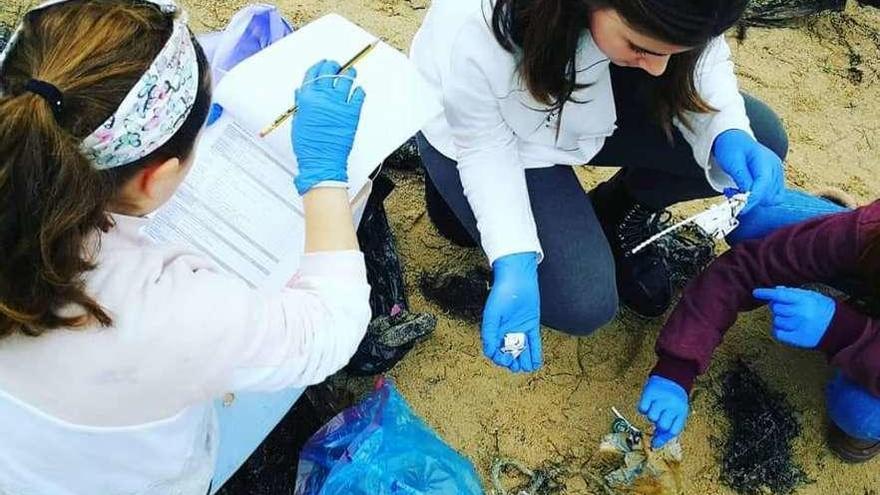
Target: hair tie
{"type": "Point", "coordinates": [48, 92]}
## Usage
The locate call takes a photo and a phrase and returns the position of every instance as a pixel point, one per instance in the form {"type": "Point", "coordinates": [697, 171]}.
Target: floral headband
{"type": "Point", "coordinates": [152, 111]}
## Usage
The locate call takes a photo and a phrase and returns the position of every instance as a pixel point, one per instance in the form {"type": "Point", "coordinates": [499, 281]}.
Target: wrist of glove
{"type": "Point", "coordinates": [665, 404]}
{"type": "Point", "coordinates": [800, 317]}
{"type": "Point", "coordinates": [324, 127]}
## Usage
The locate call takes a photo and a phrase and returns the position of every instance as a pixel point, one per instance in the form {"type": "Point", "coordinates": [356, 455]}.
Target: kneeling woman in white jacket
{"type": "Point", "coordinates": [531, 87]}
{"type": "Point", "coordinates": [112, 347]}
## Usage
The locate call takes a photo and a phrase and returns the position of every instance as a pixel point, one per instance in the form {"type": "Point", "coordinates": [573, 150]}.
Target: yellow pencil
{"type": "Point", "coordinates": [292, 110]}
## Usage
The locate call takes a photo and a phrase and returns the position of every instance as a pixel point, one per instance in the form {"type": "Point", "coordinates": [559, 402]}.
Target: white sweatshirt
{"type": "Point", "coordinates": [495, 130]}
{"type": "Point", "coordinates": [127, 410]}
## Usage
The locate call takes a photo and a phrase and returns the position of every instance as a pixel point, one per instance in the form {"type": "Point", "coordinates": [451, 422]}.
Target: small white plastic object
{"type": "Point", "coordinates": [514, 344]}
{"type": "Point", "coordinates": [717, 221]}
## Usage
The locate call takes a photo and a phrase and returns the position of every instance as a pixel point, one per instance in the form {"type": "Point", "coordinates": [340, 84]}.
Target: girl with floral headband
{"type": "Point", "coordinates": [113, 347]}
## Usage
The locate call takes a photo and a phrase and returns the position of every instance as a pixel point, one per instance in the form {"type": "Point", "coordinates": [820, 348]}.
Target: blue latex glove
{"type": "Point", "coordinates": [665, 403]}
{"type": "Point", "coordinates": [514, 305]}
{"type": "Point", "coordinates": [213, 114]}
{"type": "Point", "coordinates": [753, 166]}
{"type": "Point", "coordinates": [800, 317]}
{"type": "Point", "coordinates": [325, 124]}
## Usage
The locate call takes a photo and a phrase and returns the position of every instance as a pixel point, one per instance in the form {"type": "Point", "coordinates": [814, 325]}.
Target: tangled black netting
{"type": "Point", "coordinates": [687, 250]}
{"type": "Point", "coordinates": [756, 456]}
{"type": "Point", "coordinates": [777, 13]}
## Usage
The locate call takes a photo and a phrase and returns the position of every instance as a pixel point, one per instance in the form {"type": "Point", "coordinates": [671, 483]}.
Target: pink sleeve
{"type": "Point", "coordinates": [225, 336]}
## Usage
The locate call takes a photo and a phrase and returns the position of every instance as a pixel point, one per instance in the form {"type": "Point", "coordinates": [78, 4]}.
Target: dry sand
{"type": "Point", "coordinates": [560, 413]}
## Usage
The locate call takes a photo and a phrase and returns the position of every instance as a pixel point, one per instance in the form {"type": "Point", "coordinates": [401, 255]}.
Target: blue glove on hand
{"type": "Point", "coordinates": [514, 305]}
{"type": "Point", "coordinates": [665, 403]}
{"type": "Point", "coordinates": [800, 317]}
{"type": "Point", "coordinates": [753, 166]}
{"type": "Point", "coordinates": [324, 125]}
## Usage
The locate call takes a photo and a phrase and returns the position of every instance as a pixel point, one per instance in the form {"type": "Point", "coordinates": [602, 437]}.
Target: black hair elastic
{"type": "Point", "coordinates": [48, 92]}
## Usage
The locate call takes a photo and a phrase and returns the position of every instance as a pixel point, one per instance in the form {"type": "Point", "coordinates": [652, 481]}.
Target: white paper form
{"type": "Point", "coordinates": [398, 101]}
{"type": "Point", "coordinates": [239, 207]}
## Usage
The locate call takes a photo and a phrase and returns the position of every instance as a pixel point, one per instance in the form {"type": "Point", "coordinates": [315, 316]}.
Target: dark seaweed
{"type": "Point", "coordinates": [757, 453]}
{"type": "Point", "coordinates": [778, 13]}
{"type": "Point", "coordinates": [462, 296]}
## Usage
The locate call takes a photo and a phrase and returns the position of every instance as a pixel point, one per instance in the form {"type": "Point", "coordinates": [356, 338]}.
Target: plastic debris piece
{"type": "Point", "coordinates": [403, 328]}
{"type": "Point", "coordinates": [638, 465]}
{"type": "Point", "coordinates": [718, 221]}
{"type": "Point", "coordinates": [514, 344]}
{"type": "Point", "coordinates": [544, 480]}
{"type": "Point", "coordinates": [388, 340]}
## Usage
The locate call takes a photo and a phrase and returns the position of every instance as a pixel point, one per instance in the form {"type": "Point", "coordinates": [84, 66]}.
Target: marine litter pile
{"type": "Point", "coordinates": [756, 456]}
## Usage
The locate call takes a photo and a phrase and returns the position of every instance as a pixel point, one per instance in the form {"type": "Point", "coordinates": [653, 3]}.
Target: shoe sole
{"type": "Point", "coordinates": [839, 443]}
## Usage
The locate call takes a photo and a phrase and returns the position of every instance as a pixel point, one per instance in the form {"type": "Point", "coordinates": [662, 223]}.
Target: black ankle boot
{"type": "Point", "coordinates": [643, 279]}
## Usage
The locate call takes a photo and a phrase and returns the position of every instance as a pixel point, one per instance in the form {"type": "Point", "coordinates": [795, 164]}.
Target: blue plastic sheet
{"type": "Point", "coordinates": [381, 447]}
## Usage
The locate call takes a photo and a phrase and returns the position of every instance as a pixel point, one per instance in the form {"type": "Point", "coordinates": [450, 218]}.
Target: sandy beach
{"type": "Point", "coordinates": [823, 79]}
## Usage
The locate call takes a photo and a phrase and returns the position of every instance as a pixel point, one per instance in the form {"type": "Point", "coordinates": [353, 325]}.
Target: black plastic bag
{"type": "Point", "coordinates": [394, 330]}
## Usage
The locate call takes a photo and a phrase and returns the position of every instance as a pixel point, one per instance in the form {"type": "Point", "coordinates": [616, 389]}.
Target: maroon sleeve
{"type": "Point", "coordinates": [852, 344]}
{"type": "Point", "coordinates": [820, 250]}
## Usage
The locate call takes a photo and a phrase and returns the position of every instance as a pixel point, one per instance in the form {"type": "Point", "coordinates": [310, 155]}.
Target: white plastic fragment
{"type": "Point", "coordinates": [514, 344]}
{"type": "Point", "coordinates": [718, 221]}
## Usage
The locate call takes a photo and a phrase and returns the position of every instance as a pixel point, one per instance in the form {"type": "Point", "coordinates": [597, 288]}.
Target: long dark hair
{"type": "Point", "coordinates": [546, 32]}
{"type": "Point", "coordinates": [52, 199]}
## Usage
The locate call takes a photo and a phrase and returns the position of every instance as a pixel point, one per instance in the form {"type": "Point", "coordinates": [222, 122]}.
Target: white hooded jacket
{"type": "Point", "coordinates": [495, 130]}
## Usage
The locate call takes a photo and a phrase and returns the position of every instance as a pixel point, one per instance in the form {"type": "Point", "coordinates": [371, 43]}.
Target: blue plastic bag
{"type": "Point", "coordinates": [381, 447]}
{"type": "Point", "coordinates": [254, 27]}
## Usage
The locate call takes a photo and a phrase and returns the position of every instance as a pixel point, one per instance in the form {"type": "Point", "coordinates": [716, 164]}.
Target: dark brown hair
{"type": "Point", "coordinates": [53, 202]}
{"type": "Point", "coordinates": [546, 32]}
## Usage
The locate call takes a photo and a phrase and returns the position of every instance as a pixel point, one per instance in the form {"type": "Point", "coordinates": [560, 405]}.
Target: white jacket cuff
{"type": "Point", "coordinates": [719, 123]}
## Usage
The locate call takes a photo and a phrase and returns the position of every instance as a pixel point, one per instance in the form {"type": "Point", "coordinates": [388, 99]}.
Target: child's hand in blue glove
{"type": "Point", "coordinates": [514, 305]}
{"type": "Point", "coordinates": [324, 125]}
{"type": "Point", "coordinates": [665, 403]}
{"type": "Point", "coordinates": [753, 166]}
{"type": "Point", "coordinates": [800, 317]}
